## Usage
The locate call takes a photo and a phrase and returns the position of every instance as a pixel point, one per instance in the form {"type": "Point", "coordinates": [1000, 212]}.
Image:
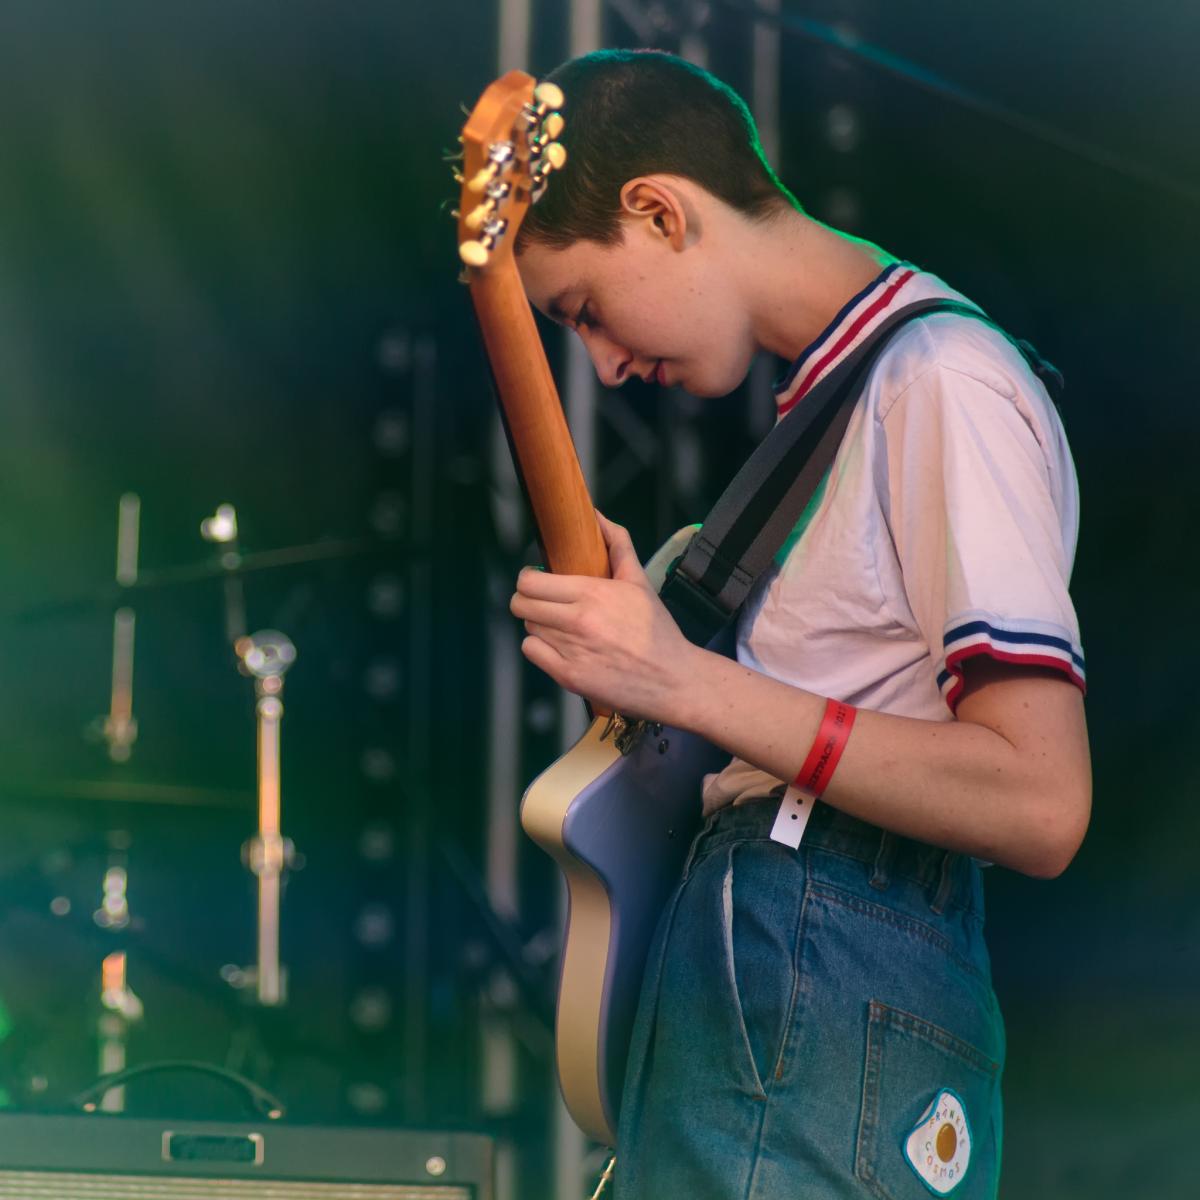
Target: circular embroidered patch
{"type": "Point", "coordinates": [939, 1147]}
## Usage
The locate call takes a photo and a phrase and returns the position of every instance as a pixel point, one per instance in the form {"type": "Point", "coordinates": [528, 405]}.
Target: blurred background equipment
{"type": "Point", "coordinates": [229, 276]}
{"type": "Point", "coordinates": [80, 1158]}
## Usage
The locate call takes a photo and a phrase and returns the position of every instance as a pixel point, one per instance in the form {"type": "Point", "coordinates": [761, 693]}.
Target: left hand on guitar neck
{"type": "Point", "coordinates": [611, 640]}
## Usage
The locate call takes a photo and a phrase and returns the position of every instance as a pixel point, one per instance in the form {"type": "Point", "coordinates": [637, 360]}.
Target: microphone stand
{"type": "Point", "coordinates": [266, 656]}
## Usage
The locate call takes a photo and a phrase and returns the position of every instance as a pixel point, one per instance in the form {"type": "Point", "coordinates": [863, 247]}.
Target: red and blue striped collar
{"type": "Point", "coordinates": [857, 317]}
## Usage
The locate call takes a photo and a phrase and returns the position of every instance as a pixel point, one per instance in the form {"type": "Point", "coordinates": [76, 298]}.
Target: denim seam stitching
{"type": "Point", "coordinates": [720, 839]}
{"type": "Point", "coordinates": [789, 1035]}
{"type": "Point", "coordinates": [905, 1022]}
{"type": "Point", "coordinates": [957, 905]}
{"type": "Point", "coordinates": [868, 1130]}
{"type": "Point", "coordinates": [880, 1019]}
{"type": "Point", "coordinates": [778, 1072]}
{"type": "Point", "coordinates": [885, 916]}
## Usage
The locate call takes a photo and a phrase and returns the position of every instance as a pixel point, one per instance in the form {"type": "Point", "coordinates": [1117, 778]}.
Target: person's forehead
{"type": "Point", "coordinates": [550, 276]}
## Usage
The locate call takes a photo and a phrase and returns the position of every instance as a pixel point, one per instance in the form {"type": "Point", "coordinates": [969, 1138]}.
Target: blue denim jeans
{"type": "Point", "coordinates": [801, 1011]}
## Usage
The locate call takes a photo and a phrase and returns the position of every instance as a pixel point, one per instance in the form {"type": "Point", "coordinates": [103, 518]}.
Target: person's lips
{"type": "Point", "coordinates": [659, 374]}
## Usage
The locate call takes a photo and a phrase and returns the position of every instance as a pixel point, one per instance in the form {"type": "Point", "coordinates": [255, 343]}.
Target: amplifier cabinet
{"type": "Point", "coordinates": [105, 1157]}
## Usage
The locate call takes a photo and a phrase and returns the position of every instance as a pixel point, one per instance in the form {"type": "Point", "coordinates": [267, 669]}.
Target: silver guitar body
{"type": "Point", "coordinates": [618, 820]}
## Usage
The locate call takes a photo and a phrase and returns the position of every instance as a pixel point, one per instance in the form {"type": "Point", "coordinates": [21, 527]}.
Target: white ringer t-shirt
{"type": "Point", "coordinates": [945, 528]}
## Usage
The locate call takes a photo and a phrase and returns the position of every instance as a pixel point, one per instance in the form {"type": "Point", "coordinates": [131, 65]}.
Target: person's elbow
{"type": "Point", "coordinates": [1062, 814]}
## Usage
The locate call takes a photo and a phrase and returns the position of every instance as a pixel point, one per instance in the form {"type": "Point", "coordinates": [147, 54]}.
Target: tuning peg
{"type": "Point", "coordinates": [482, 178]}
{"type": "Point", "coordinates": [477, 216]}
{"type": "Point", "coordinates": [474, 254]}
{"type": "Point", "coordinates": [552, 126]}
{"type": "Point", "coordinates": [501, 156]}
{"type": "Point", "coordinates": [458, 176]}
{"type": "Point", "coordinates": [549, 94]}
{"type": "Point", "coordinates": [553, 156]}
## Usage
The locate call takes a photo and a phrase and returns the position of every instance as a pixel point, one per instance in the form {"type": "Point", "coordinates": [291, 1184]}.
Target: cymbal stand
{"type": "Point", "coordinates": [119, 1005]}
{"type": "Point", "coordinates": [120, 1008]}
{"type": "Point", "coordinates": [266, 656]}
{"type": "Point", "coordinates": [222, 529]}
{"type": "Point", "coordinates": [120, 726]}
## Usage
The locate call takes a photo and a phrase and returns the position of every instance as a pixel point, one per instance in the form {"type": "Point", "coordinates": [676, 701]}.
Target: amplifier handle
{"type": "Point", "coordinates": [264, 1103]}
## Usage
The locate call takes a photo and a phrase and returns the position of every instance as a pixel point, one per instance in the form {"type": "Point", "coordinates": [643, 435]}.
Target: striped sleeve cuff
{"type": "Point", "coordinates": [1014, 642]}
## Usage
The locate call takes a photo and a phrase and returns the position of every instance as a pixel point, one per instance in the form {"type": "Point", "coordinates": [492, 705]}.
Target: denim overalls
{"type": "Point", "coordinates": [802, 1012]}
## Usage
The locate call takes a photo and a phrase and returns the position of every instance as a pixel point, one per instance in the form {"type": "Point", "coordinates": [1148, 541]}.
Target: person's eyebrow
{"type": "Point", "coordinates": [555, 310]}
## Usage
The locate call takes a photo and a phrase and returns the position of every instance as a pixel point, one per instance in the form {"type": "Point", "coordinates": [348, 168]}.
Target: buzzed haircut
{"type": "Point", "coordinates": [643, 112]}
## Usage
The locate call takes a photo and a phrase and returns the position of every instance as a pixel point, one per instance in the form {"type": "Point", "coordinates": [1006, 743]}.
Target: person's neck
{"type": "Point", "coordinates": [798, 274]}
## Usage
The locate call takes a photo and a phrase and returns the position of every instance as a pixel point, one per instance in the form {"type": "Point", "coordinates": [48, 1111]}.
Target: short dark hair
{"type": "Point", "coordinates": [642, 112]}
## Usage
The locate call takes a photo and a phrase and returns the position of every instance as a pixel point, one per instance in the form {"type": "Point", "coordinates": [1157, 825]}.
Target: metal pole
{"type": "Point", "coordinates": [420, 675]}
{"type": "Point", "coordinates": [764, 104]}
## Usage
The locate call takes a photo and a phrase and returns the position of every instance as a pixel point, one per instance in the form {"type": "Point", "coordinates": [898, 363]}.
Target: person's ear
{"type": "Point", "coordinates": [657, 208]}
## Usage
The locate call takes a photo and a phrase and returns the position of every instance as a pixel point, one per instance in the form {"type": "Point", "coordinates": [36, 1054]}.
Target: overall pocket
{"type": "Point", "coordinates": [930, 1120]}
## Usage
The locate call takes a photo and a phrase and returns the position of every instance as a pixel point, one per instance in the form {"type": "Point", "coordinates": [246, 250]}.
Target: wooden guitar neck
{"type": "Point", "coordinates": [509, 152]}
{"type": "Point", "coordinates": [546, 458]}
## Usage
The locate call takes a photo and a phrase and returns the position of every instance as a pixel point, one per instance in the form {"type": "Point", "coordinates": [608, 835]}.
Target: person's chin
{"type": "Point", "coordinates": [710, 387]}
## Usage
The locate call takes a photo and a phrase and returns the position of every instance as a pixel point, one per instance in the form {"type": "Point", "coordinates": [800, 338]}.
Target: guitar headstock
{"type": "Point", "coordinates": [509, 150]}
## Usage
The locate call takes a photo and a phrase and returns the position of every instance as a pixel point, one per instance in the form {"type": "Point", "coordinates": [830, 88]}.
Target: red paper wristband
{"type": "Point", "coordinates": [827, 749]}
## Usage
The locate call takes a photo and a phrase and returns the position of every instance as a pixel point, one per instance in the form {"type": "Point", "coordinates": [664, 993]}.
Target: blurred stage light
{"type": "Point", "coordinates": [366, 1097]}
{"type": "Point", "coordinates": [842, 207]}
{"type": "Point", "coordinates": [541, 716]}
{"type": "Point", "coordinates": [378, 764]}
{"type": "Point", "coordinates": [388, 513]}
{"type": "Point", "coordinates": [377, 842]}
{"type": "Point", "coordinates": [843, 128]}
{"type": "Point", "coordinates": [374, 926]}
{"type": "Point", "coordinates": [391, 434]}
{"type": "Point", "coordinates": [382, 679]}
{"type": "Point", "coordinates": [395, 352]}
{"type": "Point", "coordinates": [385, 597]}
{"type": "Point", "coordinates": [371, 1009]}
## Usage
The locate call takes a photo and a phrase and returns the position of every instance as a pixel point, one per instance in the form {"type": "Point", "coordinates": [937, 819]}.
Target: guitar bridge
{"type": "Point", "coordinates": [626, 733]}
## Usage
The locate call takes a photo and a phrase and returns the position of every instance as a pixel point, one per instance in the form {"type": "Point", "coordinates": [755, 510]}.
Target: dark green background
{"type": "Point", "coordinates": [211, 218]}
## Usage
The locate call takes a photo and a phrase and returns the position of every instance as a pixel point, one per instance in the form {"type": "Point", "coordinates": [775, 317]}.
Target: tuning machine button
{"type": "Point", "coordinates": [549, 95]}
{"type": "Point", "coordinates": [475, 253]}
{"type": "Point", "coordinates": [500, 157]}
{"type": "Point", "coordinates": [552, 158]}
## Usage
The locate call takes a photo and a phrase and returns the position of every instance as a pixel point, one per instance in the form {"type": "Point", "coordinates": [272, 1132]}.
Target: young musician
{"type": "Point", "coordinates": [818, 1020]}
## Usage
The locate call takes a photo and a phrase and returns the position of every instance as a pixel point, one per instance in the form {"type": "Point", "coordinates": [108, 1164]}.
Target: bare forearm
{"type": "Point", "coordinates": [954, 784]}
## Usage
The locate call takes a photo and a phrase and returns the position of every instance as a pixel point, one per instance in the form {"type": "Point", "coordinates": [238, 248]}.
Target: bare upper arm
{"type": "Point", "coordinates": [1040, 713]}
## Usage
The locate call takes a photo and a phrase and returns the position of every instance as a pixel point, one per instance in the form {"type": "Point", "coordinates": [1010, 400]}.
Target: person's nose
{"type": "Point", "coordinates": [613, 363]}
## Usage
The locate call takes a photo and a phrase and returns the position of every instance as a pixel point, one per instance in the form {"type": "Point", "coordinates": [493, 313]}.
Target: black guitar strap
{"type": "Point", "coordinates": [707, 584]}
